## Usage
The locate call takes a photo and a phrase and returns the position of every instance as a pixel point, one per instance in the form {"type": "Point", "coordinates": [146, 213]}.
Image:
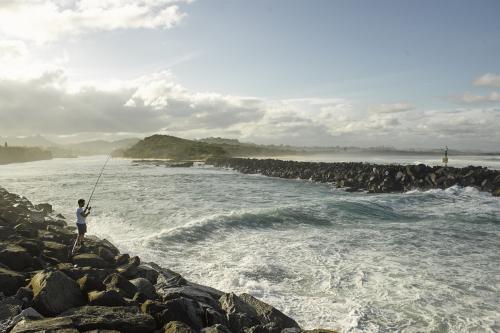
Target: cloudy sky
{"type": "Point", "coordinates": [319, 72]}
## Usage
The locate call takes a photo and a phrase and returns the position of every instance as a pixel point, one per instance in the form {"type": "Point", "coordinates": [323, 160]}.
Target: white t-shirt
{"type": "Point", "coordinates": [79, 218]}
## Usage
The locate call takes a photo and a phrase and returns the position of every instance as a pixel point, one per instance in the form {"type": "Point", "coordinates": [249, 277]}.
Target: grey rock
{"type": "Point", "coordinates": [106, 298]}
{"type": "Point", "coordinates": [54, 292]}
{"type": "Point", "coordinates": [43, 325]}
{"type": "Point", "coordinates": [145, 287]}
{"type": "Point", "coordinates": [126, 319]}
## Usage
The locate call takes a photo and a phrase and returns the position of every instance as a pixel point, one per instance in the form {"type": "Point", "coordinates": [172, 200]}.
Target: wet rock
{"type": "Point", "coordinates": [268, 314]}
{"type": "Point", "coordinates": [183, 309]}
{"type": "Point", "coordinates": [147, 272]}
{"type": "Point", "coordinates": [106, 298]}
{"type": "Point", "coordinates": [145, 287]}
{"type": "Point", "coordinates": [90, 260]}
{"type": "Point", "coordinates": [118, 282]}
{"type": "Point", "coordinates": [43, 325]}
{"type": "Point", "coordinates": [216, 329]}
{"type": "Point", "coordinates": [54, 292]}
{"type": "Point", "coordinates": [56, 250]}
{"type": "Point", "coordinates": [10, 281]}
{"type": "Point", "coordinates": [16, 257]}
{"type": "Point", "coordinates": [177, 327]}
{"type": "Point", "coordinates": [239, 314]}
{"type": "Point", "coordinates": [121, 318]}
{"type": "Point", "coordinates": [122, 259]}
{"type": "Point", "coordinates": [129, 270]}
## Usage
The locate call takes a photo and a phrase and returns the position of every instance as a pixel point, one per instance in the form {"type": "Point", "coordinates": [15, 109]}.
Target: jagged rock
{"type": "Point", "coordinates": [44, 207]}
{"type": "Point", "coordinates": [106, 298]}
{"type": "Point", "coordinates": [240, 315]}
{"type": "Point", "coordinates": [129, 270]}
{"type": "Point", "coordinates": [268, 314]}
{"type": "Point", "coordinates": [56, 250]}
{"type": "Point", "coordinates": [218, 328]}
{"type": "Point", "coordinates": [89, 282]}
{"type": "Point", "coordinates": [26, 231]}
{"type": "Point", "coordinates": [16, 257]}
{"type": "Point", "coordinates": [89, 259]}
{"type": "Point", "coordinates": [147, 272]}
{"type": "Point", "coordinates": [154, 309]}
{"type": "Point", "coordinates": [25, 295]}
{"type": "Point", "coordinates": [117, 281]}
{"type": "Point", "coordinates": [122, 259]}
{"type": "Point", "coordinates": [43, 325]}
{"type": "Point", "coordinates": [10, 281]}
{"type": "Point", "coordinates": [54, 292]}
{"type": "Point", "coordinates": [177, 327]}
{"type": "Point", "coordinates": [145, 287]}
{"type": "Point", "coordinates": [183, 309]}
{"type": "Point", "coordinates": [77, 272]}
{"type": "Point", "coordinates": [9, 307]}
{"type": "Point", "coordinates": [33, 246]}
{"type": "Point", "coordinates": [121, 318]}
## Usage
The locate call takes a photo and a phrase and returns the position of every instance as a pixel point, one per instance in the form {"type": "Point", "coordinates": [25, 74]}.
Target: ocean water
{"type": "Point", "coordinates": [413, 262]}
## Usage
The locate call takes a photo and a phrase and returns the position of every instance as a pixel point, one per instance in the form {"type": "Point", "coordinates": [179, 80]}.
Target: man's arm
{"type": "Point", "coordinates": [85, 213]}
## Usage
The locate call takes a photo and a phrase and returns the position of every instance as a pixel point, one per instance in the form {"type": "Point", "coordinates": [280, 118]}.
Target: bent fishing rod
{"type": "Point", "coordinates": [97, 181]}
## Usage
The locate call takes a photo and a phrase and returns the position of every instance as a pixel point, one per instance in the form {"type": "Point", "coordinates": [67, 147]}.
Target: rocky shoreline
{"type": "Point", "coordinates": [374, 178]}
{"type": "Point", "coordinates": [45, 289]}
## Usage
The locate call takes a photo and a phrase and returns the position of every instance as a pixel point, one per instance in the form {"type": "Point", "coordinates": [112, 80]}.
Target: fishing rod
{"type": "Point", "coordinates": [97, 181]}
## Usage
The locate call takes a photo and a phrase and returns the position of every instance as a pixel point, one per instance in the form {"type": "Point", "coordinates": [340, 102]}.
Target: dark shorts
{"type": "Point", "coordinates": [82, 228]}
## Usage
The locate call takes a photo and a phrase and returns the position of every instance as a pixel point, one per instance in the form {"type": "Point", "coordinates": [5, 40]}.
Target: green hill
{"type": "Point", "coordinates": [171, 147]}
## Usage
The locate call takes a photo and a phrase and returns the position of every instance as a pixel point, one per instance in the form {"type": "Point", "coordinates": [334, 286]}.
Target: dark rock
{"type": "Point", "coordinates": [43, 325]}
{"type": "Point", "coordinates": [129, 270]}
{"type": "Point", "coordinates": [122, 259]}
{"type": "Point", "coordinates": [177, 327]}
{"type": "Point", "coordinates": [45, 208]}
{"type": "Point", "coordinates": [90, 282]}
{"type": "Point", "coordinates": [117, 281]}
{"type": "Point", "coordinates": [16, 257]}
{"type": "Point", "coordinates": [268, 314]}
{"type": "Point", "coordinates": [25, 295]}
{"type": "Point", "coordinates": [216, 329]}
{"type": "Point", "coordinates": [267, 328]}
{"type": "Point", "coordinates": [154, 309]}
{"type": "Point", "coordinates": [54, 292]}
{"type": "Point", "coordinates": [33, 246]}
{"type": "Point", "coordinates": [147, 272]}
{"type": "Point", "coordinates": [56, 250]}
{"type": "Point", "coordinates": [9, 307]}
{"type": "Point", "coordinates": [106, 298]}
{"type": "Point", "coordinates": [240, 315]}
{"type": "Point", "coordinates": [90, 260]}
{"type": "Point", "coordinates": [10, 281]}
{"type": "Point", "coordinates": [145, 287]}
{"type": "Point", "coordinates": [25, 230]}
{"type": "Point", "coordinates": [185, 310]}
{"type": "Point", "coordinates": [127, 319]}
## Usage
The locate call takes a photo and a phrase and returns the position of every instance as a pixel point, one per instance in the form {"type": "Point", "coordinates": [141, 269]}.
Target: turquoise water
{"type": "Point", "coordinates": [413, 262]}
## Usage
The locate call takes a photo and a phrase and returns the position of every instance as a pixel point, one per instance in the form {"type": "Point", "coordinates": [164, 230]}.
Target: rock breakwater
{"type": "Point", "coordinates": [45, 289]}
{"type": "Point", "coordinates": [374, 178]}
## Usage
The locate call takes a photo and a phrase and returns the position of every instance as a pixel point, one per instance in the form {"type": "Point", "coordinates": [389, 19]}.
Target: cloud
{"type": "Point", "coordinates": [470, 98]}
{"type": "Point", "coordinates": [46, 21]}
{"type": "Point", "coordinates": [488, 80]}
{"type": "Point", "coordinates": [156, 103]}
{"type": "Point", "coordinates": [393, 107]}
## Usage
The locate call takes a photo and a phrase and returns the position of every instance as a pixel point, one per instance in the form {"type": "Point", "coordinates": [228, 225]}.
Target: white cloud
{"type": "Point", "coordinates": [45, 21]}
{"type": "Point", "coordinates": [52, 104]}
{"type": "Point", "coordinates": [489, 80]}
{"type": "Point", "coordinates": [393, 107]}
{"type": "Point", "coordinates": [471, 98]}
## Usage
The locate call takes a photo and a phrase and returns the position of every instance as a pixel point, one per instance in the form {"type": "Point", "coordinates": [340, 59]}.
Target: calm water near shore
{"type": "Point", "coordinates": [412, 262]}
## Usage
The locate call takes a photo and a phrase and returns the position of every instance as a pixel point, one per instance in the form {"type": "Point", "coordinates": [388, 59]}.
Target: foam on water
{"type": "Point", "coordinates": [412, 262]}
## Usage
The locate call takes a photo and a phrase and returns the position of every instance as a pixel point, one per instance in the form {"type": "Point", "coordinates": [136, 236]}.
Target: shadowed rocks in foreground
{"type": "Point", "coordinates": [374, 178]}
{"type": "Point", "coordinates": [44, 289]}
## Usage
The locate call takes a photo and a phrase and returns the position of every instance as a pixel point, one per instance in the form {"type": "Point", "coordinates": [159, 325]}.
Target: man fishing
{"type": "Point", "coordinates": [81, 215]}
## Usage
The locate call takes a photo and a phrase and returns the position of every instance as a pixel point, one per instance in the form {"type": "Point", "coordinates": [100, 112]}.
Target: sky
{"type": "Point", "coordinates": [400, 73]}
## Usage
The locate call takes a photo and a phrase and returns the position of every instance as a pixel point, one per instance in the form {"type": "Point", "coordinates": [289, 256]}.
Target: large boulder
{"type": "Point", "coordinates": [147, 272]}
{"type": "Point", "coordinates": [118, 282]}
{"type": "Point", "coordinates": [240, 315]}
{"type": "Point", "coordinates": [90, 260]}
{"type": "Point", "coordinates": [16, 257]}
{"type": "Point", "coordinates": [183, 309]}
{"type": "Point", "coordinates": [55, 250]}
{"type": "Point", "coordinates": [126, 319]}
{"type": "Point", "coordinates": [44, 325]}
{"type": "Point", "coordinates": [54, 292]}
{"type": "Point", "coordinates": [145, 287]}
{"type": "Point", "coordinates": [10, 281]}
{"type": "Point", "coordinates": [268, 314]}
{"type": "Point", "coordinates": [106, 298]}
